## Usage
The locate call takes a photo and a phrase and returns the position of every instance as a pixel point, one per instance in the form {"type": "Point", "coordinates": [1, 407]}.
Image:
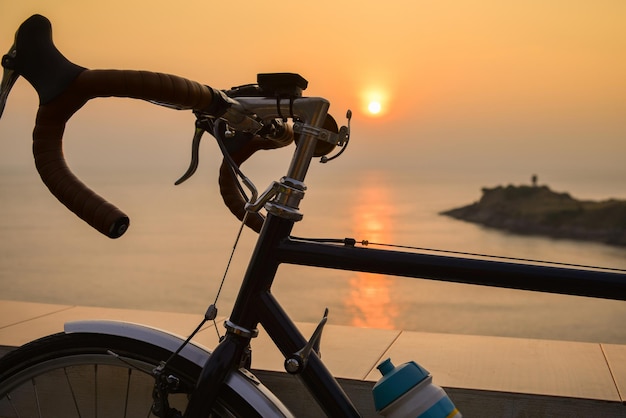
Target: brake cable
{"type": "Point", "coordinates": [218, 128]}
{"type": "Point", "coordinates": [218, 134]}
{"type": "Point", "coordinates": [352, 242]}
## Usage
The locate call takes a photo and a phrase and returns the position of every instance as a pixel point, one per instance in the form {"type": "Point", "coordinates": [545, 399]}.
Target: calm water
{"type": "Point", "coordinates": [173, 256]}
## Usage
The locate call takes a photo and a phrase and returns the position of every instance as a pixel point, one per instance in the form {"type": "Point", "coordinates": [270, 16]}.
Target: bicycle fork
{"type": "Point", "coordinates": [227, 357]}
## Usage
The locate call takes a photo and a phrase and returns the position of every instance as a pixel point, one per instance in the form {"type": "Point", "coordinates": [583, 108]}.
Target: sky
{"type": "Point", "coordinates": [464, 86]}
{"type": "Point", "coordinates": [473, 92]}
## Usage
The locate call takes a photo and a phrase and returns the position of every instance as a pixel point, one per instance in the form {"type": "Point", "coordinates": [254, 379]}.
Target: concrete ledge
{"type": "Point", "coordinates": [485, 376]}
{"type": "Point", "coordinates": [471, 402]}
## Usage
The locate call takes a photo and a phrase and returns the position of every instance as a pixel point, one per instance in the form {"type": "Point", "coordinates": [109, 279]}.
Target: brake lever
{"type": "Point", "coordinates": [195, 153]}
{"type": "Point", "coordinates": [9, 77]}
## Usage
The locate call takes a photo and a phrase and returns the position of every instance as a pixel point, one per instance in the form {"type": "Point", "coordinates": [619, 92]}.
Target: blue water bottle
{"type": "Point", "coordinates": [407, 391]}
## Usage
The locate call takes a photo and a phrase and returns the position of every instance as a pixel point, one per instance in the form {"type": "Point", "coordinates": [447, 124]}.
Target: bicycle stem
{"type": "Point", "coordinates": [311, 110]}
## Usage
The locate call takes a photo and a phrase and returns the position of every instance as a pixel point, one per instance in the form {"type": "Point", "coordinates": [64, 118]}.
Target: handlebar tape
{"type": "Point", "coordinates": [53, 115]}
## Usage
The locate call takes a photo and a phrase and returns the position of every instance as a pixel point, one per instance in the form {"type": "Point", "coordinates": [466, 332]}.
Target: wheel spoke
{"type": "Point", "coordinates": [69, 384]}
{"type": "Point", "coordinates": [36, 397]}
{"type": "Point", "coordinates": [130, 371]}
{"type": "Point", "coordinates": [8, 397]}
{"type": "Point", "coordinates": [95, 394]}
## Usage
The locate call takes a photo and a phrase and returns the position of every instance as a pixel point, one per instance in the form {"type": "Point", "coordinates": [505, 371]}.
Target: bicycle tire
{"type": "Point", "coordinates": [75, 375]}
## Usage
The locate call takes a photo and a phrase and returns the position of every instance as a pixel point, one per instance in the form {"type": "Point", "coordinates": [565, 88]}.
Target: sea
{"type": "Point", "coordinates": [174, 256]}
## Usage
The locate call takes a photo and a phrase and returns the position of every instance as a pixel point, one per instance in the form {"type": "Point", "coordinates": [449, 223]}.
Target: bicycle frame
{"type": "Point", "coordinates": [255, 303]}
{"type": "Point", "coordinates": [64, 87]}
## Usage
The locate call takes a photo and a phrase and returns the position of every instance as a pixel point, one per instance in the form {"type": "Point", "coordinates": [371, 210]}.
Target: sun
{"type": "Point", "coordinates": [374, 102]}
{"type": "Point", "coordinates": [374, 107]}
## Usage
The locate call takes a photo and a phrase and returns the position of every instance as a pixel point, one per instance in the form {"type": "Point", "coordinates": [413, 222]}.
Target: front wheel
{"type": "Point", "coordinates": [96, 375]}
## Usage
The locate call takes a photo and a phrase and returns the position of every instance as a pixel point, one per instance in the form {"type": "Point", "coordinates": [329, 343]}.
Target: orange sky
{"type": "Point", "coordinates": [487, 79]}
{"type": "Point", "coordinates": [473, 92]}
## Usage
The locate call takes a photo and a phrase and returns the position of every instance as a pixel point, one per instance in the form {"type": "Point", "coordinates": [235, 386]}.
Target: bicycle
{"type": "Point", "coordinates": [152, 372]}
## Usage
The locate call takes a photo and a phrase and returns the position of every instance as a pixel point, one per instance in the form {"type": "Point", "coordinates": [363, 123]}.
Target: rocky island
{"type": "Point", "coordinates": [537, 210]}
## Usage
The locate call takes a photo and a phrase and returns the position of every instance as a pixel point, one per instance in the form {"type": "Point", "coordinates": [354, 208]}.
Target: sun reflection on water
{"type": "Point", "coordinates": [369, 299]}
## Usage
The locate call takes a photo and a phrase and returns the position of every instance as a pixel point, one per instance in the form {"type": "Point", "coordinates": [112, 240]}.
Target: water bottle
{"type": "Point", "coordinates": [407, 391]}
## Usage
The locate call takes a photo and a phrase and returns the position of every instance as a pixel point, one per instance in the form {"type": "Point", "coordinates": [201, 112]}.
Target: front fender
{"type": "Point", "coordinates": [243, 382]}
